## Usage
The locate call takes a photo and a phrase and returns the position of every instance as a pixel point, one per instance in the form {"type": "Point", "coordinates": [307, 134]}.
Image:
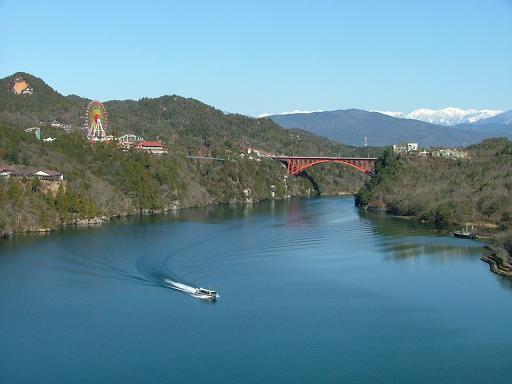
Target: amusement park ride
{"type": "Point", "coordinates": [96, 121]}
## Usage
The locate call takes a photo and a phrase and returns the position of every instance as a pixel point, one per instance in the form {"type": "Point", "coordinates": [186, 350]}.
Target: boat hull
{"type": "Point", "coordinates": [205, 297]}
{"type": "Point", "coordinates": [464, 235]}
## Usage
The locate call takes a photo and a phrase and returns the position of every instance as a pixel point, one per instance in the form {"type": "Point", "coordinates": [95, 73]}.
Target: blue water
{"type": "Point", "coordinates": [312, 291]}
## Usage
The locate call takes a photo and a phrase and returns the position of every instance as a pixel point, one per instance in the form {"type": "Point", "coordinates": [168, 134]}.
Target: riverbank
{"type": "Point", "coordinates": [451, 194]}
{"type": "Point", "coordinates": [95, 221]}
{"type": "Point", "coordinates": [499, 258]}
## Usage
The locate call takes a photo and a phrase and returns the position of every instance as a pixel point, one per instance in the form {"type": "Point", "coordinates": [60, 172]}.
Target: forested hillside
{"type": "Point", "coordinates": [185, 125]}
{"type": "Point", "coordinates": [102, 180]}
{"type": "Point", "coordinates": [477, 190]}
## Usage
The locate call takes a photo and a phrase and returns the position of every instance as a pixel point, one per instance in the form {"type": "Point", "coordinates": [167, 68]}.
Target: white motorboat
{"type": "Point", "coordinates": [200, 293]}
{"type": "Point", "coordinates": [203, 293]}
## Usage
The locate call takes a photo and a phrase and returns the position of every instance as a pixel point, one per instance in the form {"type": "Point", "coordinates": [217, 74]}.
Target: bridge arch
{"type": "Point", "coordinates": [295, 165]}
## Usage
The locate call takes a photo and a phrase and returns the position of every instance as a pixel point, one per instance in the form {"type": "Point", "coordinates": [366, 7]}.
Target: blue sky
{"type": "Point", "coordinates": [268, 56]}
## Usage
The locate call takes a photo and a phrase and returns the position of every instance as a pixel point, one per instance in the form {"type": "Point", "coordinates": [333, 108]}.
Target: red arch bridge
{"type": "Point", "coordinates": [297, 164]}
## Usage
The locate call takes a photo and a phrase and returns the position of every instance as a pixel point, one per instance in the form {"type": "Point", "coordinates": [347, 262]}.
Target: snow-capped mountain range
{"type": "Point", "coordinates": [447, 116]}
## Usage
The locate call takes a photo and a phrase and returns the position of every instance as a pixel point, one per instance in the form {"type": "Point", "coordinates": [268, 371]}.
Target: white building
{"type": "Point", "coordinates": [412, 147]}
{"type": "Point", "coordinates": [405, 148]}
{"type": "Point", "coordinates": [130, 139]}
{"type": "Point", "coordinates": [46, 174]}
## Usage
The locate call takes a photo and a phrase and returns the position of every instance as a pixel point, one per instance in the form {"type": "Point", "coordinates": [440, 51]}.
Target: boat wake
{"type": "Point", "coordinates": [180, 286]}
{"type": "Point", "coordinates": [157, 268]}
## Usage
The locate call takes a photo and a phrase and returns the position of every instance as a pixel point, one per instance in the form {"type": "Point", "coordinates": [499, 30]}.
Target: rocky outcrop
{"type": "Point", "coordinates": [92, 221]}
{"type": "Point", "coordinates": [499, 260]}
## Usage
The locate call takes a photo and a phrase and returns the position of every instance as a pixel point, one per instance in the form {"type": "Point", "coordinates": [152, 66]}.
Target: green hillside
{"type": "Point", "coordinates": [102, 180]}
{"type": "Point", "coordinates": [45, 104]}
{"type": "Point", "coordinates": [477, 190]}
{"type": "Point", "coordinates": [449, 192]}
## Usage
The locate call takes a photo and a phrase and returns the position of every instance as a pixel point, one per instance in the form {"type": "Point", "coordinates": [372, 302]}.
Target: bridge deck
{"type": "Point", "coordinates": [321, 158]}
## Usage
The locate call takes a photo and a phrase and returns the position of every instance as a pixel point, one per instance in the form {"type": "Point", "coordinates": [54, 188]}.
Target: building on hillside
{"type": "Point", "coordinates": [58, 124]}
{"type": "Point", "coordinates": [48, 175]}
{"type": "Point", "coordinates": [129, 140]}
{"type": "Point", "coordinates": [153, 147]}
{"type": "Point", "coordinates": [5, 171]}
{"type": "Point", "coordinates": [258, 152]}
{"type": "Point", "coordinates": [55, 124]}
{"type": "Point", "coordinates": [21, 173]}
{"type": "Point", "coordinates": [41, 174]}
{"type": "Point", "coordinates": [412, 147]}
{"type": "Point", "coordinates": [405, 148]}
{"type": "Point", "coordinates": [451, 153]}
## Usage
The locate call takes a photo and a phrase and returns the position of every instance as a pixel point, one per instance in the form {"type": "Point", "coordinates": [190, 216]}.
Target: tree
{"type": "Point", "coordinates": [14, 191]}
{"type": "Point", "coordinates": [61, 201]}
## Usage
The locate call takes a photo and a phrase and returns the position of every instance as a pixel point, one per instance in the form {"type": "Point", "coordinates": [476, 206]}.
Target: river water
{"type": "Point", "coordinates": [312, 291]}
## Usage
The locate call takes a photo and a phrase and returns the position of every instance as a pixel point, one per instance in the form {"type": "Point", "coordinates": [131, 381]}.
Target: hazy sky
{"type": "Point", "coordinates": [268, 56]}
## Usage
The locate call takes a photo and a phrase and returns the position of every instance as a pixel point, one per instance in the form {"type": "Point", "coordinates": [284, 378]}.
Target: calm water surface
{"type": "Point", "coordinates": [312, 291]}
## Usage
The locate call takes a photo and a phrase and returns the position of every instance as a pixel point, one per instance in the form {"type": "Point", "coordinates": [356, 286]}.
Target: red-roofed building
{"type": "Point", "coordinates": [154, 147]}
{"type": "Point", "coordinates": [5, 171]}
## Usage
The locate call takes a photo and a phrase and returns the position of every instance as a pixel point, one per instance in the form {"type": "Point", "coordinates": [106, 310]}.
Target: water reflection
{"type": "Point", "coordinates": [414, 247]}
{"type": "Point", "coordinates": [219, 213]}
{"type": "Point", "coordinates": [402, 239]}
{"type": "Point", "coordinates": [387, 225]}
{"type": "Point", "coordinates": [504, 282]}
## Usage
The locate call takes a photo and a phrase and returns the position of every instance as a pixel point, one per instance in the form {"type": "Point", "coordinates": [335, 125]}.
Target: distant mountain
{"type": "Point", "coordinates": [447, 116]}
{"type": "Point", "coordinates": [352, 125]}
{"type": "Point", "coordinates": [502, 118]}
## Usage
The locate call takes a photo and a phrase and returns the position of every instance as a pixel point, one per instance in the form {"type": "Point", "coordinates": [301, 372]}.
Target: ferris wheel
{"type": "Point", "coordinates": [96, 121]}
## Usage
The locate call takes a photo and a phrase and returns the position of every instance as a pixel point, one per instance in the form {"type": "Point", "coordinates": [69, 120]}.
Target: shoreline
{"type": "Point", "coordinates": [499, 260]}
{"type": "Point", "coordinates": [100, 220]}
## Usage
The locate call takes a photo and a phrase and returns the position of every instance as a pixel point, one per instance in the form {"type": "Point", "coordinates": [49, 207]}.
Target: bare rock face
{"type": "Point", "coordinates": [92, 221]}
{"type": "Point", "coordinates": [21, 87]}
